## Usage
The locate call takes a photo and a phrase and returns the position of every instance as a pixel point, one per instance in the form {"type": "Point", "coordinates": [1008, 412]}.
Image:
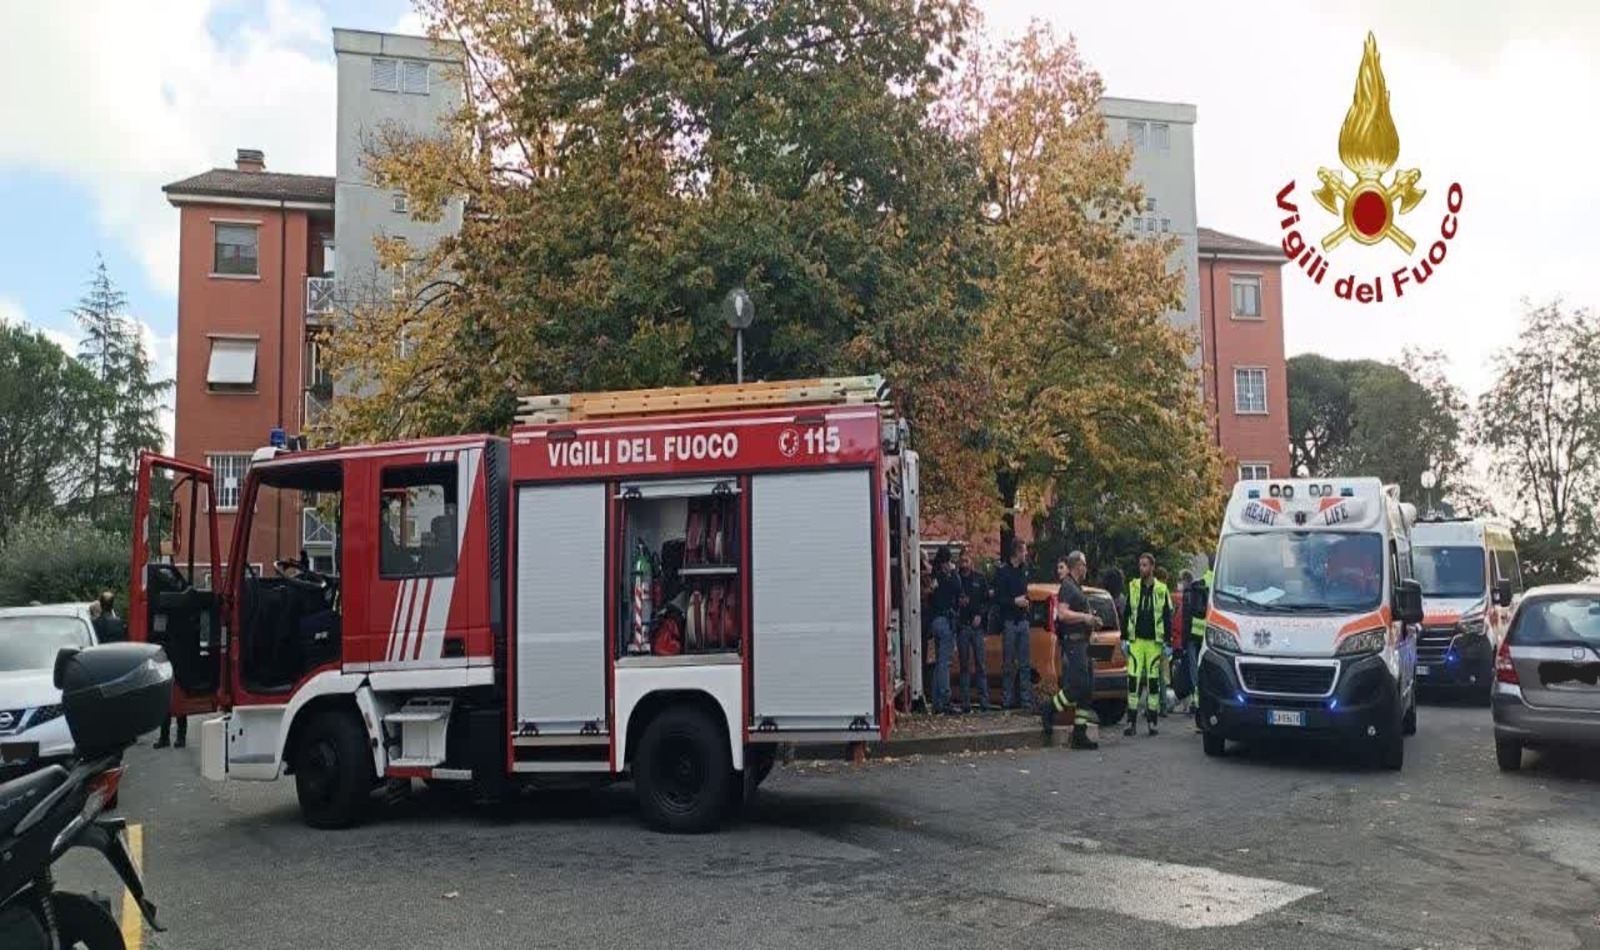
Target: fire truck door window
{"type": "Point", "coordinates": [417, 534]}
{"type": "Point", "coordinates": [291, 612]}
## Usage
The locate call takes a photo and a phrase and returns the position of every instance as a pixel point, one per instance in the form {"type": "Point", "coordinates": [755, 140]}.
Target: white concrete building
{"type": "Point", "coordinates": [1162, 136]}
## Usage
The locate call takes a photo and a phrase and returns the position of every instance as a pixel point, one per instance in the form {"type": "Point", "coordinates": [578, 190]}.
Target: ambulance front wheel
{"type": "Point", "coordinates": [681, 772]}
{"type": "Point", "coordinates": [1214, 744]}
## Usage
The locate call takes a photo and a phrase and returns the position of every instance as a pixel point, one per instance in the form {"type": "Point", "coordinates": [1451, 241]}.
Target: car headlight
{"type": "Point", "coordinates": [1471, 626]}
{"type": "Point", "coordinates": [44, 714]}
{"type": "Point", "coordinates": [1367, 641]}
{"type": "Point", "coordinates": [1219, 639]}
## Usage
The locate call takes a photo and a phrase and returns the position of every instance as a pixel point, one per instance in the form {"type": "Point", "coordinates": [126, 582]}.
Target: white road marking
{"type": "Point", "coordinates": [1185, 896]}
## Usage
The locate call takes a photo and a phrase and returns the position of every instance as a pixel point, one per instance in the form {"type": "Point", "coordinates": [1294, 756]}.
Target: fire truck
{"type": "Point", "coordinates": [662, 585]}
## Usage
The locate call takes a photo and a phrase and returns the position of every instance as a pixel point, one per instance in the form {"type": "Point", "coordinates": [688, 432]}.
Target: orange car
{"type": "Point", "coordinates": [1105, 651]}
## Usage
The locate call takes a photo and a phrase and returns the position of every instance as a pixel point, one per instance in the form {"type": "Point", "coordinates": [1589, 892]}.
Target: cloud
{"type": "Point", "coordinates": [152, 97]}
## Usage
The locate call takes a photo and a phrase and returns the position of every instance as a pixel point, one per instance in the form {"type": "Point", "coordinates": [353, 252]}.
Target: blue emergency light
{"type": "Point", "coordinates": [277, 439]}
{"type": "Point", "coordinates": [1253, 493]}
{"type": "Point", "coordinates": [1347, 493]}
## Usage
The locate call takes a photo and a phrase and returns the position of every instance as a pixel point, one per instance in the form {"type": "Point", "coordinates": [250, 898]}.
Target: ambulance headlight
{"type": "Point", "coordinates": [1471, 626]}
{"type": "Point", "coordinates": [1219, 639]}
{"type": "Point", "coordinates": [1367, 641]}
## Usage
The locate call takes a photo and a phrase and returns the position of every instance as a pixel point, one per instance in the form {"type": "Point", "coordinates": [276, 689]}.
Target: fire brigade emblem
{"type": "Point", "coordinates": [1369, 146]}
{"type": "Point", "coordinates": [789, 443]}
{"type": "Point", "coordinates": [1262, 638]}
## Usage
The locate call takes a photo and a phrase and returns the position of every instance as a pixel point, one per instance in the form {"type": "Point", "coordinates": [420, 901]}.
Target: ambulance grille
{"type": "Point", "coordinates": [1433, 643]}
{"type": "Point", "coordinates": [1289, 679]}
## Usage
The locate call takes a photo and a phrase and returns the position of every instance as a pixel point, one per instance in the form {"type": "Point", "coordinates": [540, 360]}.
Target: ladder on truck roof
{"type": "Point", "coordinates": [580, 407]}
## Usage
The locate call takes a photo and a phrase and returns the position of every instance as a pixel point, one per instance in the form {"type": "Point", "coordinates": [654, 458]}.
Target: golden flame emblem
{"type": "Point", "coordinates": [1369, 146]}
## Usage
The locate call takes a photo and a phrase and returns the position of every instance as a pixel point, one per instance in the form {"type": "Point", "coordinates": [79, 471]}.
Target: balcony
{"type": "Point", "coordinates": [315, 530]}
{"type": "Point", "coordinates": [322, 297]}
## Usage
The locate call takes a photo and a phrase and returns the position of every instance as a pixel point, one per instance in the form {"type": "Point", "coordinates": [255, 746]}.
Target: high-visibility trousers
{"type": "Point", "coordinates": [1144, 674]}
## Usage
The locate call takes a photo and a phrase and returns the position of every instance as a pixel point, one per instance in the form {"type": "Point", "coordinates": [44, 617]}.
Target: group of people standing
{"type": "Point", "coordinates": [962, 604]}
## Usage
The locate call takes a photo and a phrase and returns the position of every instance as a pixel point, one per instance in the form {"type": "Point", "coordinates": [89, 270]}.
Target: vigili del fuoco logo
{"type": "Point", "coordinates": [1369, 210]}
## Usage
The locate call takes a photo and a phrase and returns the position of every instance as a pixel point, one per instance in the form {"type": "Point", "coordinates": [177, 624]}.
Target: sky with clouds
{"type": "Point", "coordinates": [111, 99]}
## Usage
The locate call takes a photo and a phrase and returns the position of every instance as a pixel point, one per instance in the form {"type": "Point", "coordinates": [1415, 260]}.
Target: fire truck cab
{"type": "Point", "coordinates": [661, 585]}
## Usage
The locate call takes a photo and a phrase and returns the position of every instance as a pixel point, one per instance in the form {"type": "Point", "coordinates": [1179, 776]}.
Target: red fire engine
{"type": "Point", "coordinates": [661, 584]}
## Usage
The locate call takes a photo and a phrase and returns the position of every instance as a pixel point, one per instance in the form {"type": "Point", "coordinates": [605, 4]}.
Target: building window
{"type": "Point", "coordinates": [417, 524]}
{"type": "Point", "coordinates": [1250, 391]}
{"type": "Point", "coordinates": [1166, 225]}
{"type": "Point", "coordinates": [1246, 297]}
{"type": "Point", "coordinates": [1254, 471]}
{"type": "Point", "coordinates": [414, 78]}
{"type": "Point", "coordinates": [386, 75]}
{"type": "Point", "coordinates": [234, 251]}
{"type": "Point", "coordinates": [400, 203]}
{"type": "Point", "coordinates": [228, 471]}
{"type": "Point", "coordinates": [1149, 204]}
{"type": "Point", "coordinates": [232, 367]}
{"type": "Point", "coordinates": [400, 282]}
{"type": "Point", "coordinates": [1160, 136]}
{"type": "Point", "coordinates": [1136, 134]}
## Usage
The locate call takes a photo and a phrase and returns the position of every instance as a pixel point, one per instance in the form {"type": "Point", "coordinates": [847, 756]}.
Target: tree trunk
{"type": "Point", "coordinates": [1007, 483]}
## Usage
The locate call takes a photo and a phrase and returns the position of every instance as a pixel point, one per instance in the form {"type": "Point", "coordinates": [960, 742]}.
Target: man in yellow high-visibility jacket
{"type": "Point", "coordinates": [1144, 640]}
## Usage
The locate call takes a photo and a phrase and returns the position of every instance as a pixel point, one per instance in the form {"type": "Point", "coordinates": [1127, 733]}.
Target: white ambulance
{"type": "Point", "coordinates": [1470, 576]}
{"type": "Point", "coordinates": [1312, 617]}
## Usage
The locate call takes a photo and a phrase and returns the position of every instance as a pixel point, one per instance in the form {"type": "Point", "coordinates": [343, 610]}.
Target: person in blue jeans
{"type": "Point", "coordinates": [1011, 595]}
{"type": "Point", "coordinates": [943, 604]}
{"type": "Point", "coordinates": [970, 629]}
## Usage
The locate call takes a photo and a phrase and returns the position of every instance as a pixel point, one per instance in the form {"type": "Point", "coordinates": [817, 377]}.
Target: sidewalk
{"type": "Point", "coordinates": [924, 734]}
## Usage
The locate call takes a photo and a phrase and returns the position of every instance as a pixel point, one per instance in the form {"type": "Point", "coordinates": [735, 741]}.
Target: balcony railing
{"type": "Point", "coordinates": [317, 403]}
{"type": "Point", "coordinates": [315, 530]}
{"type": "Point", "coordinates": [321, 296]}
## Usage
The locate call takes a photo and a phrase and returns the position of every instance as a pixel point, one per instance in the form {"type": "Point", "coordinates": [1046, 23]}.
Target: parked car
{"type": "Point", "coordinates": [1105, 651]}
{"type": "Point", "coordinates": [33, 731]}
{"type": "Point", "coordinates": [1547, 673]}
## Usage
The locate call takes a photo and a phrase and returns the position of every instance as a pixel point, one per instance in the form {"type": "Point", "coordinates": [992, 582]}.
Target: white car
{"type": "Point", "coordinates": [33, 730]}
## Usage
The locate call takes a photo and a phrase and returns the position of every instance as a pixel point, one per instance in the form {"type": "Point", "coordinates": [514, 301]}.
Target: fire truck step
{"type": "Point", "coordinates": [417, 763]}
{"type": "Point", "coordinates": [422, 709]}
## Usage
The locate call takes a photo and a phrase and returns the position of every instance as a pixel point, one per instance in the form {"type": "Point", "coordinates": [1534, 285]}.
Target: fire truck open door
{"type": "Point", "coordinates": [172, 603]}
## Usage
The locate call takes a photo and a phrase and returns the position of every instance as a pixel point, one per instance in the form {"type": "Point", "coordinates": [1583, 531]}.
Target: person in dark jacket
{"type": "Point", "coordinates": [969, 635]}
{"type": "Point", "coordinates": [108, 627]}
{"type": "Point", "coordinates": [1011, 595]}
{"type": "Point", "coordinates": [944, 604]}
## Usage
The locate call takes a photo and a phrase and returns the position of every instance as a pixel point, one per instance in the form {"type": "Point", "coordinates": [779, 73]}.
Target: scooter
{"type": "Point", "coordinates": [111, 695]}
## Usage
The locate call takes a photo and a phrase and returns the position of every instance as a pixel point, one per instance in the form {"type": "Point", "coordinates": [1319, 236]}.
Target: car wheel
{"type": "Point", "coordinates": [1508, 754]}
{"type": "Point", "coordinates": [1214, 744]}
{"type": "Point", "coordinates": [333, 774]}
{"type": "Point", "coordinates": [1408, 725]}
{"type": "Point", "coordinates": [1392, 751]}
{"type": "Point", "coordinates": [1111, 711]}
{"type": "Point", "coordinates": [681, 772]}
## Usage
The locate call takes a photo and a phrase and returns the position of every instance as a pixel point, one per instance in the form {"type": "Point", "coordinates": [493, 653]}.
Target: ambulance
{"type": "Point", "coordinates": [664, 586]}
{"type": "Point", "coordinates": [1470, 577]}
{"type": "Point", "coordinates": [1312, 619]}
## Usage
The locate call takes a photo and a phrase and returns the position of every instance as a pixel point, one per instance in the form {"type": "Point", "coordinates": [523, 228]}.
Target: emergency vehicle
{"type": "Point", "coordinates": [664, 585]}
{"type": "Point", "coordinates": [1470, 576]}
{"type": "Point", "coordinates": [1312, 622]}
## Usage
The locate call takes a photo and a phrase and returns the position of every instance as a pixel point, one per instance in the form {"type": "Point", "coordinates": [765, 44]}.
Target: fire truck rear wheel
{"type": "Point", "coordinates": [681, 772]}
{"type": "Point", "coordinates": [333, 774]}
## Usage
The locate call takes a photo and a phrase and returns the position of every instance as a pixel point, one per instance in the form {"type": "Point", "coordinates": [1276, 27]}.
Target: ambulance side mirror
{"type": "Point", "coordinates": [1502, 593]}
{"type": "Point", "coordinates": [1196, 600]}
{"type": "Point", "coordinates": [1408, 602]}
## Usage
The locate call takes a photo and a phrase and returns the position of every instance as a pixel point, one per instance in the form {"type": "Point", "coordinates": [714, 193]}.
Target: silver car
{"type": "Point", "coordinates": [1547, 673]}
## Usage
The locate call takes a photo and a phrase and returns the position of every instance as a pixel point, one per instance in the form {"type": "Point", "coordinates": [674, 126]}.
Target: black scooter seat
{"type": "Point", "coordinates": [21, 795]}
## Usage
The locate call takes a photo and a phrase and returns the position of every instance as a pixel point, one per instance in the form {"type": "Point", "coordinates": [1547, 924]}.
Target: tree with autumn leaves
{"type": "Point", "coordinates": [850, 163]}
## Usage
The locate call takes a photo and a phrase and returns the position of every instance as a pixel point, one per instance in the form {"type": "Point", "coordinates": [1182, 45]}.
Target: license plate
{"type": "Point", "coordinates": [1423, 670]}
{"type": "Point", "coordinates": [18, 751]}
{"type": "Point", "coordinates": [1287, 717]}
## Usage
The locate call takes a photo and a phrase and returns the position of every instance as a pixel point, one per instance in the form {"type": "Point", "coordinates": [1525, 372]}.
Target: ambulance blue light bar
{"type": "Point", "coordinates": [1347, 493]}
{"type": "Point", "coordinates": [1253, 493]}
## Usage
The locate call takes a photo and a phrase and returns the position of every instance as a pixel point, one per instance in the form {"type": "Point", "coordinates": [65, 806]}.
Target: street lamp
{"type": "Point", "coordinates": [739, 311]}
{"type": "Point", "coordinates": [1429, 480]}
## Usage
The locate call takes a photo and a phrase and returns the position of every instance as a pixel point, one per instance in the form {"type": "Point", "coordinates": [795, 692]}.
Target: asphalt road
{"type": "Point", "coordinates": [1145, 843]}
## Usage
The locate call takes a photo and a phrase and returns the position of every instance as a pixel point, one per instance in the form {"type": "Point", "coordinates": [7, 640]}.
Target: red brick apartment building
{"type": "Point", "coordinates": [255, 249]}
{"type": "Point", "coordinates": [1241, 328]}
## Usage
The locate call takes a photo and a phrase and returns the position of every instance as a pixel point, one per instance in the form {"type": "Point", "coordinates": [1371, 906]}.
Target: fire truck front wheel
{"type": "Point", "coordinates": [681, 772]}
{"type": "Point", "coordinates": [333, 774]}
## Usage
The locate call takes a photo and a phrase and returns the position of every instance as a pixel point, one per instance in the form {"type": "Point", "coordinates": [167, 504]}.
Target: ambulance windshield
{"type": "Point", "coordinates": [1311, 571]}
{"type": "Point", "coordinates": [1455, 571]}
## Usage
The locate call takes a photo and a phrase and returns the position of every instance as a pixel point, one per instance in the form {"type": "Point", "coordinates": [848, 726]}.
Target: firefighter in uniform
{"type": "Point", "coordinates": [1192, 643]}
{"type": "Point", "coordinates": [1074, 621]}
{"type": "Point", "coordinates": [1144, 637]}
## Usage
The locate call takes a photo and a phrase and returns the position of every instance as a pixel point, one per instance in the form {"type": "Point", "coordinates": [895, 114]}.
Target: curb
{"type": "Point", "coordinates": [1032, 738]}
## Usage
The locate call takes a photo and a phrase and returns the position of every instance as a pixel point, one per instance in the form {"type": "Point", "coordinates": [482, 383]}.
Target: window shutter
{"type": "Point", "coordinates": [414, 78]}
{"type": "Point", "coordinates": [386, 75]}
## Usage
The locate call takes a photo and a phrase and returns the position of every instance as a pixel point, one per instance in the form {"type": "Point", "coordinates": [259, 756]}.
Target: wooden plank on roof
{"type": "Point", "coordinates": [574, 407]}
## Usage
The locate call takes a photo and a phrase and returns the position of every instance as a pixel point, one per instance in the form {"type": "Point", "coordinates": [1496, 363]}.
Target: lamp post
{"type": "Point", "coordinates": [739, 311]}
{"type": "Point", "coordinates": [1429, 480]}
